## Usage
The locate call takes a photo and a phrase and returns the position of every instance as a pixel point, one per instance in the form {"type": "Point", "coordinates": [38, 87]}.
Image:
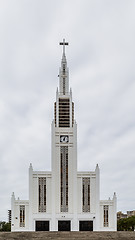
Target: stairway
{"type": "Point", "coordinates": [67, 235]}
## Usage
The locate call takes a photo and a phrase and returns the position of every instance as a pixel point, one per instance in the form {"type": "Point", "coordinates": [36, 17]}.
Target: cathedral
{"type": "Point", "coordinates": [64, 199]}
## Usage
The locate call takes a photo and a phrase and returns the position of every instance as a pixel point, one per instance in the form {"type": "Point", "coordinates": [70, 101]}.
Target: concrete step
{"type": "Point", "coordinates": [67, 235]}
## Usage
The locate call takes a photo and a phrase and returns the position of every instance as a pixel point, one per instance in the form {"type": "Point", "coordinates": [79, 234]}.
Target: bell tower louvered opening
{"type": "Point", "coordinates": [64, 112]}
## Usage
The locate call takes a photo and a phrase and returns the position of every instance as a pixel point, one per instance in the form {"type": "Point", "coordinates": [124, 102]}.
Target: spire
{"type": "Point", "coordinates": [63, 73]}
{"type": "Point", "coordinates": [64, 44]}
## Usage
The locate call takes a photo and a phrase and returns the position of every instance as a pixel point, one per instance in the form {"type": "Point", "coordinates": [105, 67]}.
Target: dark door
{"type": "Point", "coordinates": [86, 226]}
{"type": "Point", "coordinates": [64, 225]}
{"type": "Point", "coordinates": [42, 225]}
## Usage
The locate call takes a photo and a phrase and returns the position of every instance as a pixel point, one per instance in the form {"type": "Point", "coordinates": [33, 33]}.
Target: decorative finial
{"type": "Point", "coordinates": [13, 195]}
{"type": "Point", "coordinates": [30, 167]}
{"type": "Point", "coordinates": [64, 44]}
{"type": "Point", "coordinates": [114, 194]}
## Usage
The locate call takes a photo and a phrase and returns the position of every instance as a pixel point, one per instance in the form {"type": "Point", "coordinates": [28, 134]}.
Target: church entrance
{"type": "Point", "coordinates": [86, 226]}
{"type": "Point", "coordinates": [64, 225]}
{"type": "Point", "coordinates": [42, 225]}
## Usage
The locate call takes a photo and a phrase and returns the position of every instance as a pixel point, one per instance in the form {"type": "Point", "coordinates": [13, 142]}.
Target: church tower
{"type": "Point", "coordinates": [64, 199]}
{"type": "Point", "coordinates": [64, 147]}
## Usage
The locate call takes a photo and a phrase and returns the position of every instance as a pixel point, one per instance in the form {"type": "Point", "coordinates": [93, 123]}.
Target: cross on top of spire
{"type": "Point", "coordinates": [64, 44]}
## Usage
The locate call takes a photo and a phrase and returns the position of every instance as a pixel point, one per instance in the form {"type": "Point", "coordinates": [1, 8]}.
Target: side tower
{"type": "Point", "coordinates": [64, 153]}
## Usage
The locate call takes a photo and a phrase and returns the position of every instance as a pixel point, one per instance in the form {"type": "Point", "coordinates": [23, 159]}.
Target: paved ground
{"type": "Point", "coordinates": [67, 235]}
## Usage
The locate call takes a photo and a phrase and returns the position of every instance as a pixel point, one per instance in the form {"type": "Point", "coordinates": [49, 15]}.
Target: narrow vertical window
{"type": "Point", "coordinates": [106, 210]}
{"type": "Point", "coordinates": [64, 178]}
{"type": "Point", "coordinates": [63, 85]}
{"type": "Point", "coordinates": [83, 194]}
{"type": "Point", "coordinates": [39, 194]}
{"type": "Point", "coordinates": [64, 81]}
{"type": "Point", "coordinates": [72, 114]}
{"type": "Point", "coordinates": [22, 215]}
{"type": "Point", "coordinates": [86, 194]}
{"type": "Point", "coordinates": [45, 195]}
{"type": "Point", "coordinates": [55, 113]}
{"type": "Point", "coordinates": [64, 112]}
{"type": "Point", "coordinates": [42, 194]}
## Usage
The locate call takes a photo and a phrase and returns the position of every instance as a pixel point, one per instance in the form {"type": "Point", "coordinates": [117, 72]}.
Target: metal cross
{"type": "Point", "coordinates": [64, 44]}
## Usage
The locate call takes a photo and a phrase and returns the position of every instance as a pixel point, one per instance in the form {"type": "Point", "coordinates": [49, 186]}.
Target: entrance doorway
{"type": "Point", "coordinates": [42, 225]}
{"type": "Point", "coordinates": [64, 225]}
{"type": "Point", "coordinates": [86, 226]}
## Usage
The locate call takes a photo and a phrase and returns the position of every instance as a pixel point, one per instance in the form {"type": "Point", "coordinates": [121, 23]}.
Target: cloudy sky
{"type": "Point", "coordinates": [101, 59]}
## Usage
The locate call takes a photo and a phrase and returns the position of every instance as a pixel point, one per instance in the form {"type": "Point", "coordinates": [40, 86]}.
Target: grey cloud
{"type": "Point", "coordinates": [101, 62]}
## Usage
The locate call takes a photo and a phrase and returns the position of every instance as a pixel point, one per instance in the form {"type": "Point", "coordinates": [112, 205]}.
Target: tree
{"type": "Point", "coordinates": [131, 223]}
{"type": "Point", "coordinates": [5, 227]}
{"type": "Point", "coordinates": [126, 224]}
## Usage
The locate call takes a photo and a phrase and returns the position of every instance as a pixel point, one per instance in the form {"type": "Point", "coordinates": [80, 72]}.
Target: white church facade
{"type": "Point", "coordinates": [64, 199]}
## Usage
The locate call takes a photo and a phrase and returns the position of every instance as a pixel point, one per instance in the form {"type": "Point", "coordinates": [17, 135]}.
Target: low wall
{"type": "Point", "coordinates": [67, 235]}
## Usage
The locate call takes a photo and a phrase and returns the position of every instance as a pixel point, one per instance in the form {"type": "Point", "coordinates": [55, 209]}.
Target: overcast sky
{"type": "Point", "coordinates": [101, 59]}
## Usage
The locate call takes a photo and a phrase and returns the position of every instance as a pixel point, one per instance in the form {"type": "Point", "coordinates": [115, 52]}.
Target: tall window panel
{"type": "Point", "coordinates": [64, 112]}
{"type": "Point", "coordinates": [64, 76]}
{"type": "Point", "coordinates": [42, 194]}
{"type": "Point", "coordinates": [72, 114]}
{"type": "Point", "coordinates": [63, 85]}
{"type": "Point", "coordinates": [55, 113]}
{"type": "Point", "coordinates": [64, 178]}
{"type": "Point", "coordinates": [106, 213]}
{"type": "Point", "coordinates": [22, 215]}
{"type": "Point", "coordinates": [86, 194]}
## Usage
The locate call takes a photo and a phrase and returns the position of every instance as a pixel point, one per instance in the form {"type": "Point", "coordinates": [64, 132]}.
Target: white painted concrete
{"type": "Point", "coordinates": [53, 212]}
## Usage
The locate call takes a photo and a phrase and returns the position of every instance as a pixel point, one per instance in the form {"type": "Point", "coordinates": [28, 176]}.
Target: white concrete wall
{"type": "Point", "coordinates": [34, 187]}
{"type": "Point", "coordinates": [93, 194]}
{"type": "Point", "coordinates": [79, 195]}
{"type": "Point", "coordinates": [112, 226]}
{"type": "Point", "coordinates": [72, 215]}
{"type": "Point", "coordinates": [92, 176]}
{"type": "Point", "coordinates": [72, 172]}
{"type": "Point", "coordinates": [15, 220]}
{"type": "Point", "coordinates": [33, 196]}
{"type": "Point", "coordinates": [72, 179]}
{"type": "Point", "coordinates": [53, 213]}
